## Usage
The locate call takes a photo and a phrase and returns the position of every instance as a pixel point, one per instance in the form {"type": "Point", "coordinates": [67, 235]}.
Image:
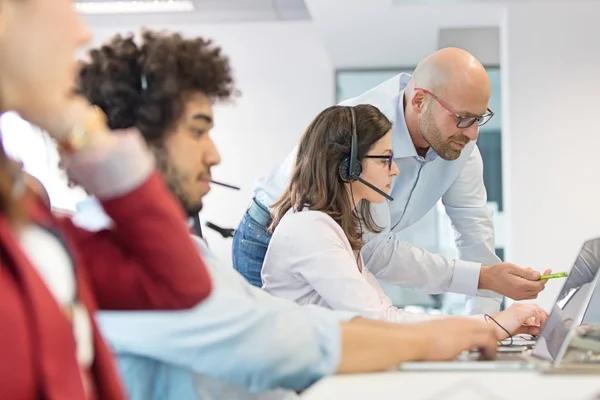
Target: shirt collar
{"type": "Point", "coordinates": [402, 143]}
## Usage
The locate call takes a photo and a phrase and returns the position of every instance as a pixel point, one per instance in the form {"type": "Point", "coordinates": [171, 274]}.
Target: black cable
{"type": "Point", "coordinates": [225, 232]}
{"type": "Point", "coordinates": [359, 225]}
{"type": "Point", "coordinates": [501, 327]}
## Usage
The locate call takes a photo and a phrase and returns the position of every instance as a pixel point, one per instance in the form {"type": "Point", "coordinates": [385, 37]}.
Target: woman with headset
{"type": "Point", "coordinates": [345, 163]}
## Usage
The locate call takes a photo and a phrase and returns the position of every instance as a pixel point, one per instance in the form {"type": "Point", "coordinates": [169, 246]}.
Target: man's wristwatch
{"type": "Point", "coordinates": [82, 134]}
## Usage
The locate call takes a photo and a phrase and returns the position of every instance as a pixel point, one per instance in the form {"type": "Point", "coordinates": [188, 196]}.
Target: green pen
{"type": "Point", "coordinates": [553, 276]}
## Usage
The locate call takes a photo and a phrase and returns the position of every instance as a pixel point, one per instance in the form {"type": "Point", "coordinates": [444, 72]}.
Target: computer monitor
{"type": "Point", "coordinates": [576, 302]}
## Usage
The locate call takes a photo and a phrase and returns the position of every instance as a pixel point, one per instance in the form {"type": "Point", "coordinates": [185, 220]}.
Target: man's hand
{"type": "Point", "coordinates": [512, 281]}
{"type": "Point", "coordinates": [445, 339]}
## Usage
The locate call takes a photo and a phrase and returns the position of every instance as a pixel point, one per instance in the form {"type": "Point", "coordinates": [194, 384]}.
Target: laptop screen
{"type": "Point", "coordinates": [571, 302]}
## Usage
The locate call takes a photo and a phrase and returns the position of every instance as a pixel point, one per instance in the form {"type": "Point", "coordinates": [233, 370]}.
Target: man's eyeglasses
{"type": "Point", "coordinates": [462, 122]}
{"type": "Point", "coordinates": [389, 158]}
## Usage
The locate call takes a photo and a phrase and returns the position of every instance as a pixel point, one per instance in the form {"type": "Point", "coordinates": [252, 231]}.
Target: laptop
{"type": "Point", "coordinates": [576, 308]}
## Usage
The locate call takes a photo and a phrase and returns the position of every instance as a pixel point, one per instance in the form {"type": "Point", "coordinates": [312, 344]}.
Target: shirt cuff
{"type": "Point", "coordinates": [465, 277]}
{"type": "Point", "coordinates": [113, 170]}
{"type": "Point", "coordinates": [484, 305]}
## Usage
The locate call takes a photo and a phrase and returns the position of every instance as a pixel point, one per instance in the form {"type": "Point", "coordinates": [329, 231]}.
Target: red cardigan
{"type": "Point", "coordinates": [146, 262]}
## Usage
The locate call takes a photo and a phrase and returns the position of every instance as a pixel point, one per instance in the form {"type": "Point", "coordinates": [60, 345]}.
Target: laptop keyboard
{"type": "Point", "coordinates": [476, 356]}
{"type": "Point", "coordinates": [511, 357]}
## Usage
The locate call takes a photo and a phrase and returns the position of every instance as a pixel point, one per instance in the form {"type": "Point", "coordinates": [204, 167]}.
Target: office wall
{"type": "Point", "coordinates": [550, 61]}
{"type": "Point", "coordinates": [285, 77]}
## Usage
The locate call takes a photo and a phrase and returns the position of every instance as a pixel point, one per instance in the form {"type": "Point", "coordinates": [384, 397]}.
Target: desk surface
{"type": "Point", "coordinates": [527, 385]}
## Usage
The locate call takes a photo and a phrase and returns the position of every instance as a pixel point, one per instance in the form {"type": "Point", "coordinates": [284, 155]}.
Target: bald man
{"type": "Point", "coordinates": [436, 115]}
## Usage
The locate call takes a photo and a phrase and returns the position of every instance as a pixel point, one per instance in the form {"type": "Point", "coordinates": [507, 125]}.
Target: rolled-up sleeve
{"type": "Point", "coordinates": [394, 260]}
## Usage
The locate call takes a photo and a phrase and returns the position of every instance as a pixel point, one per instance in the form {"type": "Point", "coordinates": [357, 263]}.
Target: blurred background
{"type": "Point", "coordinates": [292, 58]}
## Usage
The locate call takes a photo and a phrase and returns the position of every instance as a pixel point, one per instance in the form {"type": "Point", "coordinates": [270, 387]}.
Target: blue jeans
{"type": "Point", "coordinates": [249, 248]}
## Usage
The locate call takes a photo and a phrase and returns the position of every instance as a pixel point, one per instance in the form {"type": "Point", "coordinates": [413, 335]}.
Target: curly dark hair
{"type": "Point", "coordinates": [144, 85]}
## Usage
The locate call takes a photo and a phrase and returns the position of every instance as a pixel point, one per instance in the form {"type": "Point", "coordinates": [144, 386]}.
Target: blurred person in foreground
{"type": "Point", "coordinates": [53, 275]}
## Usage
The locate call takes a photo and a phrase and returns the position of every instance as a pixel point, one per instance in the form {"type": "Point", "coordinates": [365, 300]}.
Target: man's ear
{"type": "Point", "coordinates": [418, 102]}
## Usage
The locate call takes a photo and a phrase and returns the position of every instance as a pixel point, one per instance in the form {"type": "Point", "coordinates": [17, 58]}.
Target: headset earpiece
{"type": "Point", "coordinates": [350, 167]}
{"type": "Point", "coordinates": [345, 170]}
{"type": "Point", "coordinates": [344, 166]}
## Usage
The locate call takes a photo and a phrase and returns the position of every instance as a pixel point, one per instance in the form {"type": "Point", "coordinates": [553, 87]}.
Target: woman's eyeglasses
{"type": "Point", "coordinates": [389, 158]}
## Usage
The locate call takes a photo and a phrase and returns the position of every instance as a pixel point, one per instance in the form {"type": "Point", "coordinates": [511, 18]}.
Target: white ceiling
{"type": "Point", "coordinates": [213, 11]}
{"type": "Point", "coordinates": [231, 11]}
{"type": "Point", "coordinates": [447, 2]}
{"type": "Point", "coordinates": [398, 33]}
{"type": "Point", "coordinates": [355, 33]}
{"type": "Point", "coordinates": [386, 35]}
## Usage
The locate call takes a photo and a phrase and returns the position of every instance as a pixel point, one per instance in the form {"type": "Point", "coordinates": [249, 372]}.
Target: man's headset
{"type": "Point", "coordinates": [351, 168]}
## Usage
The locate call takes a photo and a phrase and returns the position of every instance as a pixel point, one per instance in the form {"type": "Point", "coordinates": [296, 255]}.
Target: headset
{"type": "Point", "coordinates": [351, 168]}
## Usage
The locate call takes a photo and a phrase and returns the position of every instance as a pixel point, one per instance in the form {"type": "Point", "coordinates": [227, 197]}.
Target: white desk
{"type": "Point", "coordinates": [526, 385]}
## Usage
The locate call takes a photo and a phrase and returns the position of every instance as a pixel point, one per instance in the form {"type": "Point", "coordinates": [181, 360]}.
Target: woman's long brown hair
{"type": "Point", "coordinates": [316, 183]}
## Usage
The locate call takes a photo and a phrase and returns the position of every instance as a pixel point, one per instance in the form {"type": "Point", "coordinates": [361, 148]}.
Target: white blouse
{"type": "Point", "coordinates": [310, 261]}
{"type": "Point", "coordinates": [53, 264]}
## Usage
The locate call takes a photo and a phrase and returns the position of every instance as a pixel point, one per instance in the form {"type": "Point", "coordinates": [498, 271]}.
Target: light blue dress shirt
{"type": "Point", "coordinates": [239, 341]}
{"type": "Point", "coordinates": [422, 182]}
